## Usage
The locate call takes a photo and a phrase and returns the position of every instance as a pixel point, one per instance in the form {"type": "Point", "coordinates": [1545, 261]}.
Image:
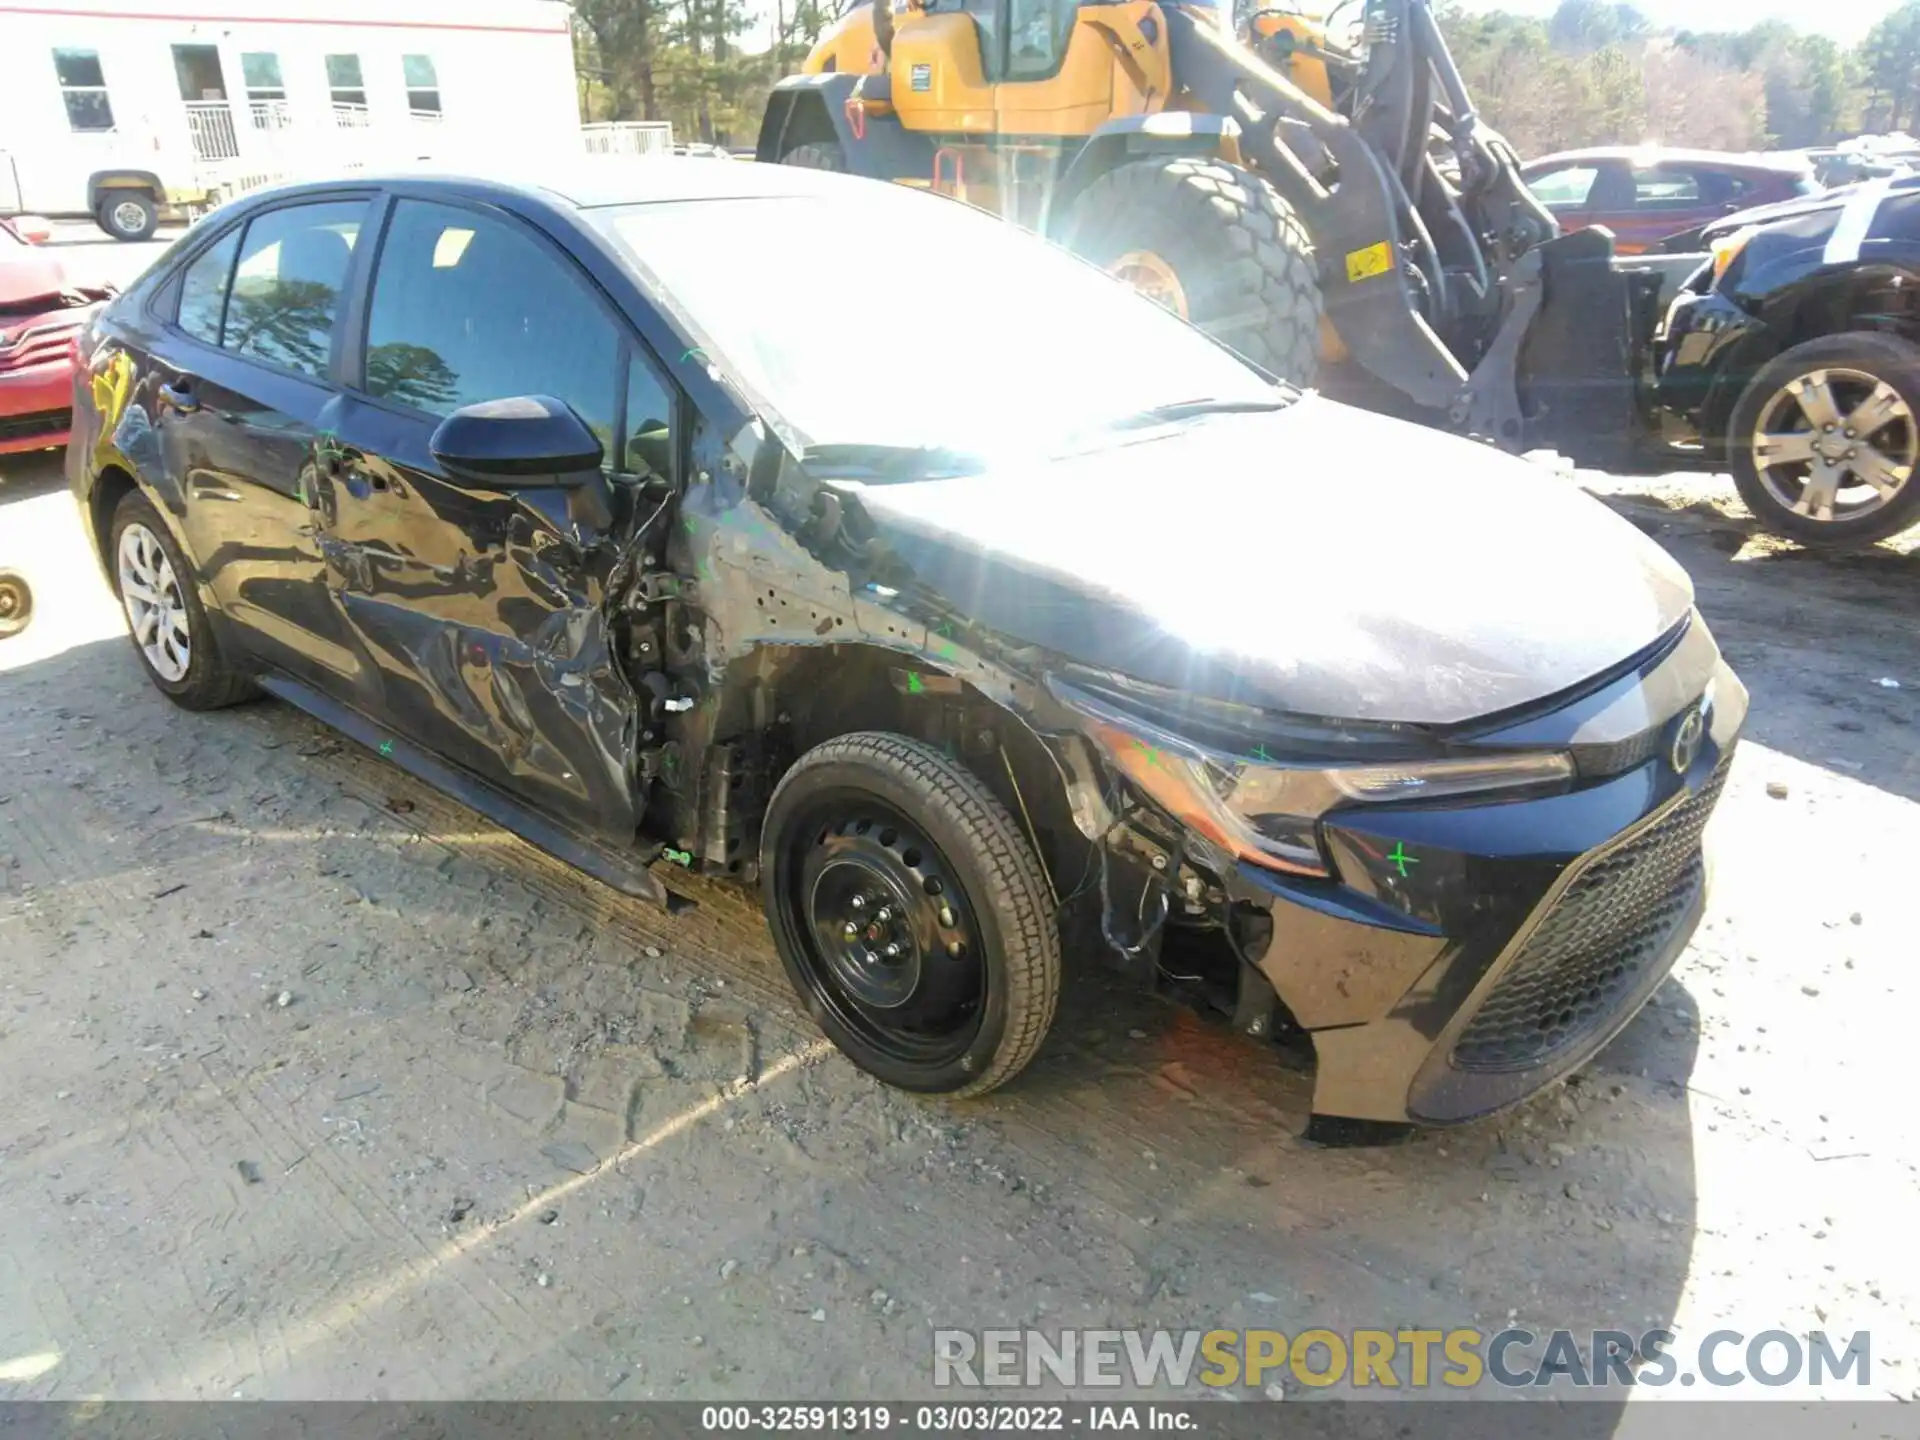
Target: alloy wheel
{"type": "Point", "coordinates": [156, 609]}
{"type": "Point", "coordinates": [129, 217]}
{"type": "Point", "coordinates": [891, 945]}
{"type": "Point", "coordinates": [1835, 444]}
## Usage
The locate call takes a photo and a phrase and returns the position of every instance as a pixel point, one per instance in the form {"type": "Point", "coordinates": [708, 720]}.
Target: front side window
{"type": "Point", "coordinates": [84, 87]}
{"type": "Point", "coordinates": [286, 287]}
{"type": "Point", "coordinates": [469, 307]}
{"type": "Point", "coordinates": [423, 84]}
{"type": "Point", "coordinates": [649, 440]}
{"type": "Point", "coordinates": [1665, 188]}
{"type": "Point", "coordinates": [203, 289]}
{"type": "Point", "coordinates": [343, 79]}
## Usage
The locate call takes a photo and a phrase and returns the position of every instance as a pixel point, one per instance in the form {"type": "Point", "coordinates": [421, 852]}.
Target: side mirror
{"type": "Point", "coordinates": [523, 442]}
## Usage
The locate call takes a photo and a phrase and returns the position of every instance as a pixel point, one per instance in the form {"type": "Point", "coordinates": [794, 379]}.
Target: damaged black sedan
{"type": "Point", "coordinates": [779, 526]}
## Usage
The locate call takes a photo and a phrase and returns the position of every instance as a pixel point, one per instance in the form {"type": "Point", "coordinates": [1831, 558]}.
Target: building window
{"type": "Point", "coordinates": [266, 91]}
{"type": "Point", "coordinates": [423, 84]}
{"type": "Point", "coordinates": [343, 78]}
{"type": "Point", "coordinates": [84, 89]}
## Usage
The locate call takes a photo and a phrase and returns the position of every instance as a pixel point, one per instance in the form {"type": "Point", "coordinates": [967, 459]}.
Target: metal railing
{"type": "Point", "coordinates": [271, 114]}
{"type": "Point", "coordinates": [628, 137]}
{"type": "Point", "coordinates": [210, 124]}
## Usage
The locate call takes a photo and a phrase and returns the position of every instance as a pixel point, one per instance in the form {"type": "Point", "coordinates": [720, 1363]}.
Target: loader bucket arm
{"type": "Point", "coordinates": [1335, 179]}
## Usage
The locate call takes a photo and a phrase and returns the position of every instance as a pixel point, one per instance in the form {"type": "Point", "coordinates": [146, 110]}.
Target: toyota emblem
{"type": "Point", "coordinates": [1687, 736]}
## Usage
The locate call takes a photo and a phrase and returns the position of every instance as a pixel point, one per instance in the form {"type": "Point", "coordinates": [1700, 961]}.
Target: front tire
{"type": "Point", "coordinates": [16, 603]}
{"type": "Point", "coordinates": [169, 627]}
{"type": "Point", "coordinates": [1218, 246]}
{"type": "Point", "coordinates": [911, 914]}
{"type": "Point", "coordinates": [1825, 439]}
{"type": "Point", "coordinates": [128, 215]}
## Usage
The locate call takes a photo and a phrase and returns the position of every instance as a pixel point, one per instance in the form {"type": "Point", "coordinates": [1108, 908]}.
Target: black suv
{"type": "Point", "coordinates": [1794, 358]}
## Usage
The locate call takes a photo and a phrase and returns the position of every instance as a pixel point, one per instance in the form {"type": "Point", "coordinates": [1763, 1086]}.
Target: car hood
{"type": "Point", "coordinates": [28, 276]}
{"type": "Point", "coordinates": [1318, 559]}
{"type": "Point", "coordinates": [1784, 210]}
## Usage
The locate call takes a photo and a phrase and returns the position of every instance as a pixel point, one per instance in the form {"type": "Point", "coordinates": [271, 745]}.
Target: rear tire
{"type": "Point", "coordinates": [128, 215]}
{"type": "Point", "coordinates": [911, 914]}
{"type": "Point", "coordinates": [826, 155]}
{"type": "Point", "coordinates": [1243, 260]}
{"type": "Point", "coordinates": [1851, 367]}
{"type": "Point", "coordinates": [159, 593]}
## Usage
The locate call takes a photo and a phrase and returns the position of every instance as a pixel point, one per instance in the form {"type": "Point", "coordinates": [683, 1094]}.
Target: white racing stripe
{"type": "Point", "coordinates": [1850, 230]}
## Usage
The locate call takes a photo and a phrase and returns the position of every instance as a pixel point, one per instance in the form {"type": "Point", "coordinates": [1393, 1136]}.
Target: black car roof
{"type": "Point", "coordinates": [594, 181]}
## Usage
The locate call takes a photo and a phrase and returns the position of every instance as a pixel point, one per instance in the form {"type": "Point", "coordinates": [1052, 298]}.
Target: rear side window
{"type": "Point", "coordinates": [286, 288]}
{"type": "Point", "coordinates": [203, 289]}
{"type": "Point", "coordinates": [469, 307]}
{"type": "Point", "coordinates": [1665, 188]}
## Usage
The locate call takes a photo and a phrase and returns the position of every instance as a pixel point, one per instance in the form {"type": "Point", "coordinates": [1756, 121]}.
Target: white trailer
{"type": "Point", "coordinates": [125, 110]}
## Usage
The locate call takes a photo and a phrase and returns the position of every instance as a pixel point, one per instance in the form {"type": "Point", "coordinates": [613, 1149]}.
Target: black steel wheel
{"type": "Point", "coordinates": [910, 914]}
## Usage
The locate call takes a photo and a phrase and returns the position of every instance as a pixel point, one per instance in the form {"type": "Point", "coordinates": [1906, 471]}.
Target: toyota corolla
{"type": "Point", "coordinates": [820, 535]}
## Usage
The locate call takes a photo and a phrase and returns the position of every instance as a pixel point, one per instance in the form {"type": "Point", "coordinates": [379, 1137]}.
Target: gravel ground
{"type": "Point", "coordinates": [318, 1085]}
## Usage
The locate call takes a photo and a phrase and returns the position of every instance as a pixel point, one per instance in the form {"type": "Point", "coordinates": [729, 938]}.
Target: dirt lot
{"type": "Point", "coordinates": [317, 1085]}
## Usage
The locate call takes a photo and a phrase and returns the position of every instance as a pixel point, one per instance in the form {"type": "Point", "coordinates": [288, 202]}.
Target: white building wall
{"type": "Point", "coordinates": [504, 67]}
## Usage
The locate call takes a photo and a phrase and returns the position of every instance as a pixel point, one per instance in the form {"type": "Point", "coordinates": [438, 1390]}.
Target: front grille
{"type": "Point", "coordinates": [40, 344]}
{"type": "Point", "coordinates": [40, 422]}
{"type": "Point", "coordinates": [1594, 946]}
{"type": "Point", "coordinates": [1596, 762]}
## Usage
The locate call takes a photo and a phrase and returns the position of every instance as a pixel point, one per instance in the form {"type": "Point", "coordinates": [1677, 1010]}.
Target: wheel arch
{"type": "Point", "coordinates": [1876, 298]}
{"type": "Point", "coordinates": [101, 182]}
{"type": "Point", "coordinates": [812, 109]}
{"type": "Point", "coordinates": [825, 692]}
{"type": "Point", "coordinates": [1135, 137]}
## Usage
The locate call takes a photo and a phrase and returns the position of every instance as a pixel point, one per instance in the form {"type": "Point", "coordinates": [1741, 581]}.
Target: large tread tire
{"type": "Point", "coordinates": [1241, 254]}
{"type": "Point", "coordinates": [823, 156]}
{"type": "Point", "coordinates": [1885, 357]}
{"type": "Point", "coordinates": [212, 681]}
{"type": "Point", "coordinates": [1002, 876]}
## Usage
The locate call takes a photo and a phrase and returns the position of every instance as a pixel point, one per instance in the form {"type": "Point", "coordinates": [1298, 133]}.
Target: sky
{"type": "Point", "coordinates": [1847, 21]}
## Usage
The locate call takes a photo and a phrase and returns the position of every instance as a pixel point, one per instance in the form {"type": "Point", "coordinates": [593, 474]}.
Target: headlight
{"type": "Point", "coordinates": [1727, 249]}
{"type": "Point", "coordinates": [1267, 810]}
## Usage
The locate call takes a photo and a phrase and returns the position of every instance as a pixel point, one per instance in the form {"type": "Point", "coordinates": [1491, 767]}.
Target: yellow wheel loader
{"type": "Point", "coordinates": [1336, 212]}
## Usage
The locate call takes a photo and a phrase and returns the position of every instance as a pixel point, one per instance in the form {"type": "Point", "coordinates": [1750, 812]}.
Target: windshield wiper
{"type": "Point", "coordinates": [884, 463]}
{"type": "Point", "coordinates": [1205, 405]}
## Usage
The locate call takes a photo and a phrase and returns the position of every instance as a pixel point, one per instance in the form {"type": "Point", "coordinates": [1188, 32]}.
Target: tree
{"type": "Point", "coordinates": [1582, 25]}
{"type": "Point", "coordinates": [1891, 56]}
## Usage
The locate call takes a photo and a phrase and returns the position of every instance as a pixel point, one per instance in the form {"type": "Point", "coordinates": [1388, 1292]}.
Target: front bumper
{"type": "Point", "coordinates": [36, 406]}
{"type": "Point", "coordinates": [1465, 956]}
{"type": "Point", "coordinates": [1707, 349]}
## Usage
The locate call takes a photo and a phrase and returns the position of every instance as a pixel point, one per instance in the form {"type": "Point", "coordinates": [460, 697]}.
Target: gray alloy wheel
{"type": "Point", "coordinates": [1835, 444]}
{"type": "Point", "coordinates": [1824, 440]}
{"type": "Point", "coordinates": [156, 609]}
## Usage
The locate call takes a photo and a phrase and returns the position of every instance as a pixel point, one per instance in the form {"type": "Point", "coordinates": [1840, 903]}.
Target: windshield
{"type": "Point", "coordinates": [899, 319]}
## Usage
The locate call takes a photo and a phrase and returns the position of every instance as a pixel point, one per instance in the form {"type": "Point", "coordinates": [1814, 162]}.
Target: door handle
{"type": "Point", "coordinates": [179, 395]}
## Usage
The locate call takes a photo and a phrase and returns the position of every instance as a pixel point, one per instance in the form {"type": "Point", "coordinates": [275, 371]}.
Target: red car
{"type": "Point", "coordinates": [42, 311]}
{"type": "Point", "coordinates": [1651, 199]}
